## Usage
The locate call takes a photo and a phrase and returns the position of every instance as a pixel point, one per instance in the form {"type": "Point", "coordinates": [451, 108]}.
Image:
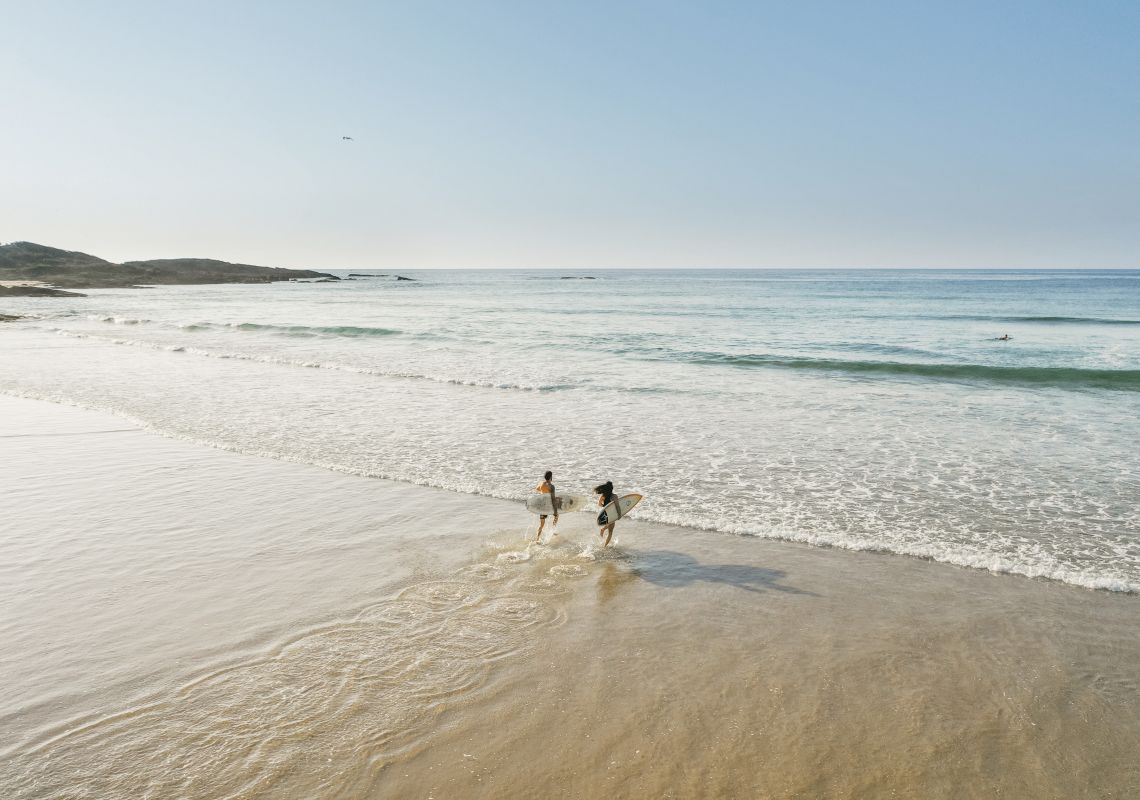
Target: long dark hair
{"type": "Point", "coordinates": [606, 490]}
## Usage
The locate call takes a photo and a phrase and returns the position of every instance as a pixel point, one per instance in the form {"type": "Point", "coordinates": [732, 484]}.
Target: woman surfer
{"type": "Point", "coordinates": [605, 494]}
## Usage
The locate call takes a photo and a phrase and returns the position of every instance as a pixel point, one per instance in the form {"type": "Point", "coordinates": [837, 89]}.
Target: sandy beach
{"type": "Point", "coordinates": [303, 308]}
{"type": "Point", "coordinates": [182, 621]}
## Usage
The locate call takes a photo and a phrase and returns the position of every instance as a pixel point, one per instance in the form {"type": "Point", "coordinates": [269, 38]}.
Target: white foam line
{"type": "Point", "coordinates": [285, 362]}
{"type": "Point", "coordinates": [116, 320]}
{"type": "Point", "coordinates": [989, 562]}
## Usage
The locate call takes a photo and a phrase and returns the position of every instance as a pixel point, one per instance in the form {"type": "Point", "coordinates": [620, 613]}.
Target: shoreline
{"type": "Point", "coordinates": [980, 562]}
{"type": "Point", "coordinates": [321, 634]}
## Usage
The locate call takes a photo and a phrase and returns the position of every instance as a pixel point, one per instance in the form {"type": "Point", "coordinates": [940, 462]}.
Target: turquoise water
{"type": "Point", "coordinates": [858, 409]}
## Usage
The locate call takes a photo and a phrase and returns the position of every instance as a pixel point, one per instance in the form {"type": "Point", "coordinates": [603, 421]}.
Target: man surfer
{"type": "Point", "coordinates": [546, 487]}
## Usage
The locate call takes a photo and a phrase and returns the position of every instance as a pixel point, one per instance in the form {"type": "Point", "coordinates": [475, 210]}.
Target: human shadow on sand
{"type": "Point", "coordinates": [673, 570]}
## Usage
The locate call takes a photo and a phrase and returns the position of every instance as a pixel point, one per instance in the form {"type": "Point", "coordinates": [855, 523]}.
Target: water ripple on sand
{"type": "Point", "coordinates": [319, 716]}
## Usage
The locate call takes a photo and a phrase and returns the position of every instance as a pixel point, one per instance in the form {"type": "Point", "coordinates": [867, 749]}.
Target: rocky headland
{"type": "Point", "coordinates": [68, 269]}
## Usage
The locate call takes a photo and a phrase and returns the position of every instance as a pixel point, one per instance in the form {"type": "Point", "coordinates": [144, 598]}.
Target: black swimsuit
{"type": "Point", "coordinates": [603, 517]}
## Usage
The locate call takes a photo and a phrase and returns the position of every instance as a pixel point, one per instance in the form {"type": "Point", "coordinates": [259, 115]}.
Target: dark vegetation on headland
{"type": "Point", "coordinates": [26, 261]}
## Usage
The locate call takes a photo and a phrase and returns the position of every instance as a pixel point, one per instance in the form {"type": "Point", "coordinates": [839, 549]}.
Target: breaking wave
{"type": "Point", "coordinates": [354, 331]}
{"type": "Point", "coordinates": [1051, 320]}
{"type": "Point", "coordinates": [330, 365]}
{"type": "Point", "coordinates": [1060, 377]}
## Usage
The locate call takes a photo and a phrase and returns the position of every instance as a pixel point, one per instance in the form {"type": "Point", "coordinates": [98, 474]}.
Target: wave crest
{"type": "Point", "coordinates": [1061, 377]}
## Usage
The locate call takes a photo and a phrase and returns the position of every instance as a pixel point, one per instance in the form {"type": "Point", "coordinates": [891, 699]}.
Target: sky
{"type": "Point", "coordinates": [575, 134]}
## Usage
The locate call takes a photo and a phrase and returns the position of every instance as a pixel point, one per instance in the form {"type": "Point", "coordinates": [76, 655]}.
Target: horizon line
{"type": "Point", "coordinates": [627, 267]}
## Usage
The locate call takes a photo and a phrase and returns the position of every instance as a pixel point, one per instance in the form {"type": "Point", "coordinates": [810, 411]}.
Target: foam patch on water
{"type": "Point", "coordinates": [514, 557]}
{"type": "Point", "coordinates": [117, 320]}
{"type": "Point", "coordinates": [315, 364]}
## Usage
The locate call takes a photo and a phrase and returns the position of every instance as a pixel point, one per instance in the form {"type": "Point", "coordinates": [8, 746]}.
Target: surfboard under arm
{"type": "Point", "coordinates": [540, 503]}
{"type": "Point", "coordinates": [616, 509]}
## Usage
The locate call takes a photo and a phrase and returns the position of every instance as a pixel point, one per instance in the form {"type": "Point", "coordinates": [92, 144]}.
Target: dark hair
{"type": "Point", "coordinates": [606, 490]}
{"type": "Point", "coordinates": [547, 475]}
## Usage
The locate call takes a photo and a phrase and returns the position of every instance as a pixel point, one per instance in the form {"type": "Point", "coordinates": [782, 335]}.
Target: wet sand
{"type": "Point", "coordinates": [186, 622]}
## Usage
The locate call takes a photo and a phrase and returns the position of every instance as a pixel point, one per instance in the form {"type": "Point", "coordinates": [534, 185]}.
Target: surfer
{"type": "Point", "coordinates": [605, 494]}
{"type": "Point", "coordinates": [1005, 337]}
{"type": "Point", "coordinates": [546, 487]}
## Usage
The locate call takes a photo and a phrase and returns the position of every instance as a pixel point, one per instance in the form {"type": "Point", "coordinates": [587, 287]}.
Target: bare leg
{"type": "Point", "coordinates": [609, 533]}
{"type": "Point", "coordinates": [541, 522]}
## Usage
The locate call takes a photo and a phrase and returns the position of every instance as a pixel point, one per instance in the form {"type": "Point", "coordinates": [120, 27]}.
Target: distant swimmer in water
{"type": "Point", "coordinates": [547, 487]}
{"type": "Point", "coordinates": [605, 494]}
{"type": "Point", "coordinates": [1005, 337]}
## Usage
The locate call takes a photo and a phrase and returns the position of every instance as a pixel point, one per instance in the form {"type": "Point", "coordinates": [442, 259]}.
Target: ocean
{"type": "Point", "coordinates": [870, 410]}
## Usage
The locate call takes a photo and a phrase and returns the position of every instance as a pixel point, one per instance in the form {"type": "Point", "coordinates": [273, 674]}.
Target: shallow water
{"type": "Point", "coordinates": [185, 622]}
{"type": "Point", "coordinates": [857, 409]}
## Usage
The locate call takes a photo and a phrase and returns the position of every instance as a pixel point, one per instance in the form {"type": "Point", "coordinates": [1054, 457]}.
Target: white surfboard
{"type": "Point", "coordinates": [540, 503]}
{"type": "Point", "coordinates": [616, 509]}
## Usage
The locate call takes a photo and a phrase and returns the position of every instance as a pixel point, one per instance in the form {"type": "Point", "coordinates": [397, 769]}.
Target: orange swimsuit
{"type": "Point", "coordinates": [544, 488]}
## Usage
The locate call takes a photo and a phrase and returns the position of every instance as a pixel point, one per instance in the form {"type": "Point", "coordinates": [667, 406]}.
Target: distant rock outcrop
{"type": "Point", "coordinates": [35, 291]}
{"type": "Point", "coordinates": [379, 275]}
{"type": "Point", "coordinates": [27, 261]}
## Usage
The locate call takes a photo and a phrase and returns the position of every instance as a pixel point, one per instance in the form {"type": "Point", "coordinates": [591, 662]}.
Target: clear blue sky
{"type": "Point", "coordinates": [575, 134]}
